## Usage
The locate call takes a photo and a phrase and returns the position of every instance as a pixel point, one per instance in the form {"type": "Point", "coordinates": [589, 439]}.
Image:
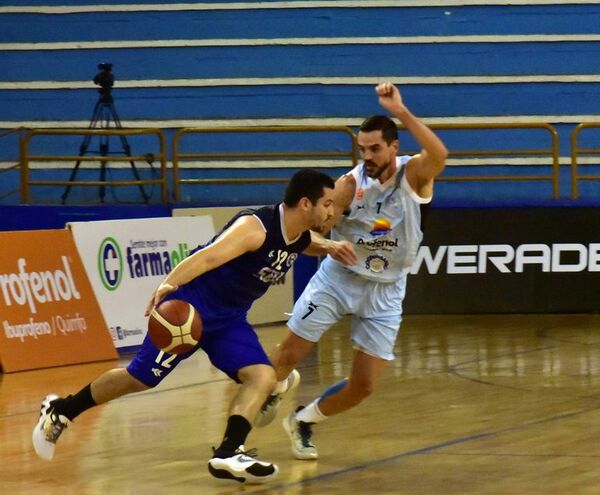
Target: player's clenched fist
{"type": "Point", "coordinates": [389, 96]}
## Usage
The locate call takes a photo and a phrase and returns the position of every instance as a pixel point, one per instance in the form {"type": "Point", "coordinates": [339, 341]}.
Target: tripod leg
{"type": "Point", "coordinates": [83, 147]}
{"type": "Point", "coordinates": [137, 177]}
{"type": "Point", "coordinates": [67, 190]}
{"type": "Point", "coordinates": [127, 150]}
{"type": "Point", "coordinates": [102, 192]}
{"type": "Point", "coordinates": [103, 164]}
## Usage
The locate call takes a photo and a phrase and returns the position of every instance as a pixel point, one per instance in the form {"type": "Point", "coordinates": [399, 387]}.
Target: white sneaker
{"type": "Point", "coordinates": [48, 429]}
{"type": "Point", "coordinates": [242, 466]}
{"type": "Point", "coordinates": [268, 410]}
{"type": "Point", "coordinates": [300, 434]}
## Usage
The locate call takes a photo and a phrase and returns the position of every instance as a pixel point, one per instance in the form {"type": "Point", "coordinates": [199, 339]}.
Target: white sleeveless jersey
{"type": "Point", "coordinates": [383, 222]}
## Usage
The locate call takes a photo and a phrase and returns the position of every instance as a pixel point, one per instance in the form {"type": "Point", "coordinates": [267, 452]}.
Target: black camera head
{"type": "Point", "coordinates": [105, 79]}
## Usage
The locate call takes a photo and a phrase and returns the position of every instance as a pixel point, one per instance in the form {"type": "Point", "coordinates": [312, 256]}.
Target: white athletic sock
{"type": "Point", "coordinates": [311, 413]}
{"type": "Point", "coordinates": [281, 387]}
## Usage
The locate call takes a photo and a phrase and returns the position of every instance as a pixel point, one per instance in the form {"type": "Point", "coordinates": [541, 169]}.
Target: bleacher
{"type": "Point", "coordinates": [306, 63]}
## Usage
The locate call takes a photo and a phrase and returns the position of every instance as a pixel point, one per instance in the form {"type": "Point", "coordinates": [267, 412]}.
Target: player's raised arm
{"type": "Point", "coordinates": [430, 162]}
{"type": "Point", "coordinates": [246, 234]}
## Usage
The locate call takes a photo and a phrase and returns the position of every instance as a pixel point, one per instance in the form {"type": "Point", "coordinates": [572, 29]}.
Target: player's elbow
{"type": "Point", "coordinates": [438, 161]}
{"type": "Point", "coordinates": [440, 156]}
{"type": "Point", "coordinates": [444, 154]}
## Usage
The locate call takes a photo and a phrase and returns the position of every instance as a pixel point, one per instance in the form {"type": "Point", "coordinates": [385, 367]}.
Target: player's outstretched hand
{"type": "Point", "coordinates": [342, 251]}
{"type": "Point", "coordinates": [158, 295]}
{"type": "Point", "coordinates": [389, 97]}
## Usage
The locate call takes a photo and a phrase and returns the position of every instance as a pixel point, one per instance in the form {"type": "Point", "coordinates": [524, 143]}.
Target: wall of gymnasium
{"type": "Point", "coordinates": [298, 62]}
{"type": "Point", "coordinates": [221, 63]}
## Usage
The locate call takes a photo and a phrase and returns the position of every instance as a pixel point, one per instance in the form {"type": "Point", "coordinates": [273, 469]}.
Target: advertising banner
{"type": "Point", "coordinates": [127, 259]}
{"type": "Point", "coordinates": [48, 311]}
{"type": "Point", "coordinates": [507, 260]}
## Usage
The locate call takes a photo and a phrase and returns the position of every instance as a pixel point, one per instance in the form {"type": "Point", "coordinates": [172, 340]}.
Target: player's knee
{"type": "Point", "coordinates": [131, 384]}
{"type": "Point", "coordinates": [137, 386]}
{"type": "Point", "coordinates": [267, 380]}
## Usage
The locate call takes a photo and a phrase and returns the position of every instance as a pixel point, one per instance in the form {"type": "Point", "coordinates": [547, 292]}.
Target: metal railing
{"type": "Point", "coordinates": [575, 152]}
{"type": "Point", "coordinates": [26, 158]}
{"type": "Point", "coordinates": [552, 152]}
{"type": "Point", "coordinates": [17, 130]}
{"type": "Point", "coordinates": [352, 153]}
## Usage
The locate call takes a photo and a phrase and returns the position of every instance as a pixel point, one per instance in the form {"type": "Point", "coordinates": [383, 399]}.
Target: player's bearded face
{"type": "Point", "coordinates": [378, 155]}
{"type": "Point", "coordinates": [374, 170]}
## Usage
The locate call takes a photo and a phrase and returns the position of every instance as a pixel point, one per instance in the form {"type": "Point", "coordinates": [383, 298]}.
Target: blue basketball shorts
{"type": "Point", "coordinates": [335, 291]}
{"type": "Point", "coordinates": [230, 343]}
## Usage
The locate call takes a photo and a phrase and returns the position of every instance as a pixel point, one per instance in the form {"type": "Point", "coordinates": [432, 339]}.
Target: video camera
{"type": "Point", "coordinates": [105, 79]}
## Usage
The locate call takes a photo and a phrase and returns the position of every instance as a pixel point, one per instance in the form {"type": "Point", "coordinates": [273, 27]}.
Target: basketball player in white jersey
{"type": "Point", "coordinates": [377, 209]}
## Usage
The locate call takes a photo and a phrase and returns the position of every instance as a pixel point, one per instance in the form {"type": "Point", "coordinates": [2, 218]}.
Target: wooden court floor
{"type": "Point", "coordinates": [472, 405]}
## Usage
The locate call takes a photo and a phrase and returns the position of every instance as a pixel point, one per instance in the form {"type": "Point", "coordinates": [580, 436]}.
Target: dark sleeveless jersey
{"type": "Point", "coordinates": [234, 286]}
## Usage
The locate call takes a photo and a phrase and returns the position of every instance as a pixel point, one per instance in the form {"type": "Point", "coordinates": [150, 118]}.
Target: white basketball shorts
{"type": "Point", "coordinates": [335, 291]}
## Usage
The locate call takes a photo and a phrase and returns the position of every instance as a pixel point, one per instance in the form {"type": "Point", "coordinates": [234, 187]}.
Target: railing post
{"type": "Point", "coordinates": [163, 166]}
{"type": "Point", "coordinates": [175, 162]}
{"type": "Point", "coordinates": [574, 175]}
{"type": "Point", "coordinates": [555, 163]}
{"type": "Point", "coordinates": [23, 144]}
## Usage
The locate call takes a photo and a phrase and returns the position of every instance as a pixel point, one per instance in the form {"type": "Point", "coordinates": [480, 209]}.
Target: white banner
{"type": "Point", "coordinates": [126, 259]}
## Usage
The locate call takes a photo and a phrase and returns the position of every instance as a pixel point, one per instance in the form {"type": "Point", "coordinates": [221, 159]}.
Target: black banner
{"type": "Point", "coordinates": [507, 260]}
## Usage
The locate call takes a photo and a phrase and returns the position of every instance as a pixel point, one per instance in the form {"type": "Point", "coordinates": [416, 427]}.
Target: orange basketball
{"type": "Point", "coordinates": [175, 326]}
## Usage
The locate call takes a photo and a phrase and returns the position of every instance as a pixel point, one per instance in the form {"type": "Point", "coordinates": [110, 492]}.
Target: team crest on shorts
{"type": "Point", "coordinates": [376, 263]}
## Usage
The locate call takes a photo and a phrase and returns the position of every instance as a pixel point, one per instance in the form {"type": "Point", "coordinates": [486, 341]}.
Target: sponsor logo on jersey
{"type": "Point", "coordinates": [381, 226]}
{"type": "Point", "coordinates": [376, 263]}
{"type": "Point", "coordinates": [275, 274]}
{"type": "Point", "coordinates": [360, 194]}
{"type": "Point", "coordinates": [375, 244]}
{"type": "Point", "coordinates": [270, 276]}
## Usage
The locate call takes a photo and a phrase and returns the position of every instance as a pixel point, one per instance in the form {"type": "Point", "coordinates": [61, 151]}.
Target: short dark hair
{"type": "Point", "coordinates": [387, 126]}
{"type": "Point", "coordinates": [307, 183]}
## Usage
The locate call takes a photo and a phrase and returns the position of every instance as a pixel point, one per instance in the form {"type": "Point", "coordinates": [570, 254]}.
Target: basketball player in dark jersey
{"type": "Point", "coordinates": [221, 280]}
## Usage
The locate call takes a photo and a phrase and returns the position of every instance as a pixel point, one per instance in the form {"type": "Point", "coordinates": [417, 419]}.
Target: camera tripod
{"type": "Point", "coordinates": [104, 112]}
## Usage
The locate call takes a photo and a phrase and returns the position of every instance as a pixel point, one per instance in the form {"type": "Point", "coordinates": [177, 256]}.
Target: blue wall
{"type": "Point", "coordinates": [181, 67]}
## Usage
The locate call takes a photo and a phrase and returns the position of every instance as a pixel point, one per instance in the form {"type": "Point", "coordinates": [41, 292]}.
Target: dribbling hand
{"type": "Point", "coordinates": [159, 294]}
{"type": "Point", "coordinates": [343, 252]}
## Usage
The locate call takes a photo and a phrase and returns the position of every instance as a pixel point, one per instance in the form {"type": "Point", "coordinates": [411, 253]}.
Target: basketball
{"type": "Point", "coordinates": [174, 326]}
